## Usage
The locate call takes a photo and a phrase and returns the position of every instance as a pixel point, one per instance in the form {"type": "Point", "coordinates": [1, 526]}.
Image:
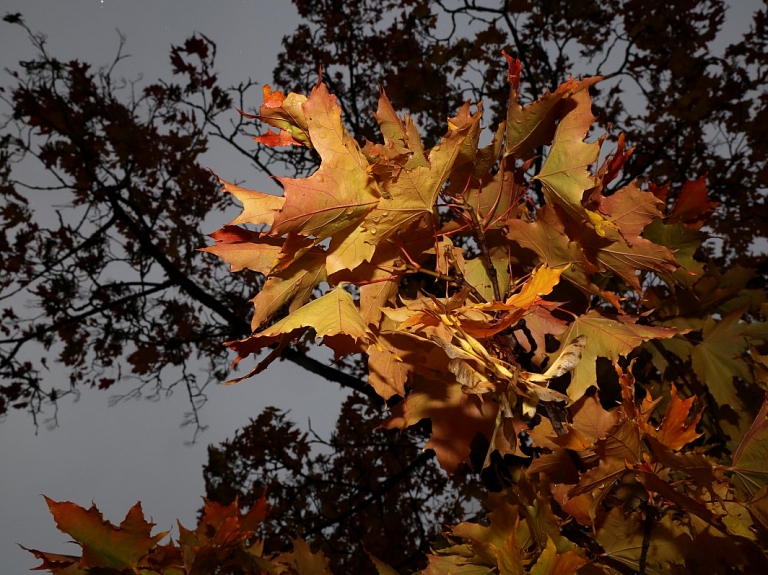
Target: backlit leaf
{"type": "Point", "coordinates": [103, 544]}
{"type": "Point", "coordinates": [608, 337]}
{"type": "Point", "coordinates": [750, 460]}
{"type": "Point", "coordinates": [341, 191]}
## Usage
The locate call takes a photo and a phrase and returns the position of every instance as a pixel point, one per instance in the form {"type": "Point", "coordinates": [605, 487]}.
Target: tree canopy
{"type": "Point", "coordinates": [542, 310]}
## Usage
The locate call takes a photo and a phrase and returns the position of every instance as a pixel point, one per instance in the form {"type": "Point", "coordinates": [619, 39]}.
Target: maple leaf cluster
{"type": "Point", "coordinates": [498, 320]}
{"type": "Point", "coordinates": [224, 540]}
{"type": "Point", "coordinates": [577, 349]}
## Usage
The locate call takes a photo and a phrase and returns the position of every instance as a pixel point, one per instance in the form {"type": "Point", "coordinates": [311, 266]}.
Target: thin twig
{"type": "Point", "coordinates": [479, 234]}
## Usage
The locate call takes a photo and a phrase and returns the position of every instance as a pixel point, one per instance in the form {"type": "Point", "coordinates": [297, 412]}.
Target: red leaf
{"type": "Point", "coordinates": [692, 207]}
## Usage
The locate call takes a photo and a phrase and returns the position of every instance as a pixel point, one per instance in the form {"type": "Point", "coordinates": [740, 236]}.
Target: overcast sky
{"type": "Point", "coordinates": [134, 451]}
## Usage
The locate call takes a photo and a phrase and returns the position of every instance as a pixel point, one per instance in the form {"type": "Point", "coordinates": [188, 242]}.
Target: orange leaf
{"type": "Point", "coordinates": [673, 432]}
{"type": "Point", "coordinates": [456, 419]}
{"type": "Point", "coordinates": [105, 545]}
{"type": "Point", "coordinates": [285, 113]}
{"type": "Point", "coordinates": [341, 192]}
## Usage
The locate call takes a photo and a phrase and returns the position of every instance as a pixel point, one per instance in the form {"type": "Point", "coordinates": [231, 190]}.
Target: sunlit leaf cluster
{"type": "Point", "coordinates": [577, 350]}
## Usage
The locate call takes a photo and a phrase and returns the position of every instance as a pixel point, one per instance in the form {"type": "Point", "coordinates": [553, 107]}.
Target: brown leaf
{"type": "Point", "coordinates": [456, 419]}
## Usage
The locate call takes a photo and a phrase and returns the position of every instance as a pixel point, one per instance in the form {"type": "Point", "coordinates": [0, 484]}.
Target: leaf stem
{"type": "Point", "coordinates": [450, 279]}
{"type": "Point", "coordinates": [479, 234]}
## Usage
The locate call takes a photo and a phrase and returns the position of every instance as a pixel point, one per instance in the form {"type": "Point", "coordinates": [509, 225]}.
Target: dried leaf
{"type": "Point", "coordinates": [569, 358]}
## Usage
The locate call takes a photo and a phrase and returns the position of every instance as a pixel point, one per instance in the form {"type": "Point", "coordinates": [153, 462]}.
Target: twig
{"type": "Point", "coordinates": [650, 519]}
{"type": "Point", "coordinates": [479, 234]}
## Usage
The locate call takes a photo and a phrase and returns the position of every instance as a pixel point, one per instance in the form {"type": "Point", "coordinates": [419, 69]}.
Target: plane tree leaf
{"type": "Point", "coordinates": [548, 239]}
{"type": "Point", "coordinates": [683, 242]}
{"type": "Point", "coordinates": [717, 360]}
{"type": "Point", "coordinates": [631, 209]}
{"type": "Point", "coordinates": [409, 198]}
{"type": "Point", "coordinates": [622, 538]}
{"type": "Point", "coordinates": [534, 125]}
{"type": "Point", "coordinates": [292, 285]}
{"type": "Point", "coordinates": [550, 562]}
{"type": "Point", "coordinates": [692, 207]}
{"type": "Point", "coordinates": [565, 173]}
{"type": "Point", "coordinates": [243, 249]}
{"type": "Point", "coordinates": [675, 430]}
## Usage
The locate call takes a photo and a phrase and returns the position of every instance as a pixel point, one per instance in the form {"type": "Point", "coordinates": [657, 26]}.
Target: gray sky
{"type": "Point", "coordinates": [136, 450]}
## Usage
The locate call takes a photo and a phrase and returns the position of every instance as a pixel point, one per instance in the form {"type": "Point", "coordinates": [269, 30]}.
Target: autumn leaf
{"type": "Point", "coordinates": [488, 542]}
{"type": "Point", "coordinates": [631, 209]}
{"type": "Point", "coordinates": [673, 431]}
{"type": "Point", "coordinates": [333, 314]}
{"type": "Point", "coordinates": [692, 207]}
{"type": "Point", "coordinates": [621, 536]}
{"type": "Point", "coordinates": [750, 460]}
{"type": "Point", "coordinates": [456, 419]}
{"type": "Point", "coordinates": [258, 207]}
{"type": "Point", "coordinates": [389, 364]}
{"type": "Point", "coordinates": [103, 544]}
{"type": "Point", "coordinates": [533, 126]}
{"type": "Point", "coordinates": [476, 274]}
{"type": "Point", "coordinates": [401, 138]}
{"type": "Point", "coordinates": [243, 249]}
{"type": "Point", "coordinates": [341, 192]}
{"type": "Point", "coordinates": [614, 163]}
{"type": "Point", "coordinates": [564, 174]}
{"type": "Point", "coordinates": [496, 194]}
{"type": "Point", "coordinates": [717, 359]}
{"type": "Point", "coordinates": [303, 562]}
{"type": "Point", "coordinates": [408, 199]}
{"type": "Point", "coordinates": [542, 281]}
{"type": "Point", "coordinates": [608, 337]}
{"type": "Point", "coordinates": [293, 285]}
{"type": "Point", "coordinates": [57, 564]}
{"type": "Point", "coordinates": [550, 562]}
{"type": "Point", "coordinates": [609, 251]}
{"type": "Point", "coordinates": [683, 242]}
{"type": "Point", "coordinates": [333, 317]}
{"type": "Point", "coordinates": [285, 113]}
{"type": "Point", "coordinates": [590, 418]}
{"type": "Point", "coordinates": [548, 239]}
